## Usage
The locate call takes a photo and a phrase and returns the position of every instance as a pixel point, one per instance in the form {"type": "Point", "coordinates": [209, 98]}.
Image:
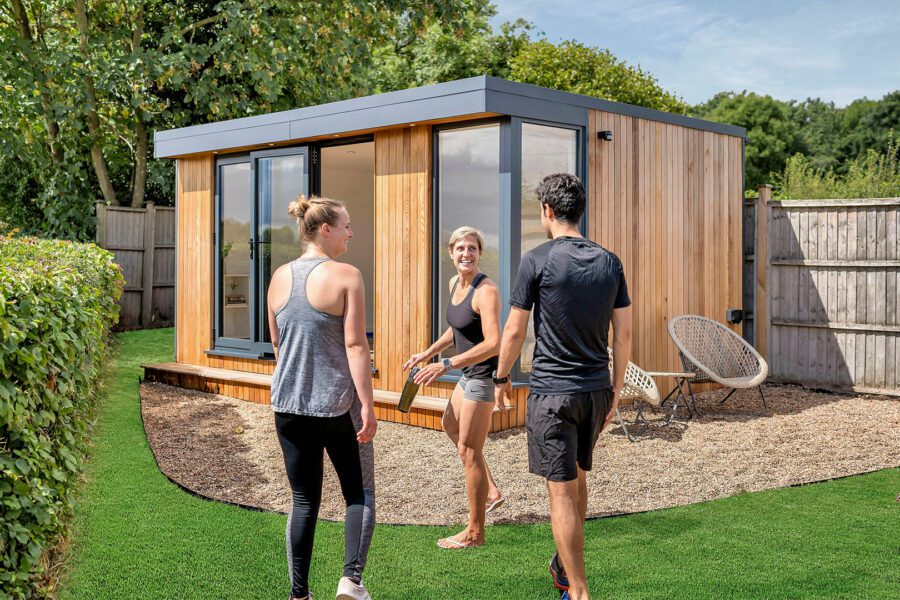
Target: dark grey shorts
{"type": "Point", "coordinates": [479, 390]}
{"type": "Point", "coordinates": [562, 432]}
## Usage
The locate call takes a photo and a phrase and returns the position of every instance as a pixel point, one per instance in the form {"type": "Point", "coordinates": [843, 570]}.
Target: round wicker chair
{"type": "Point", "coordinates": [714, 353]}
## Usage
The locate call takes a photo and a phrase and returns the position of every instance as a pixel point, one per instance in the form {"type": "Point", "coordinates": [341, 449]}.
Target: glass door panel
{"type": "Point", "coordinates": [235, 286]}
{"type": "Point", "coordinates": [545, 150]}
{"type": "Point", "coordinates": [280, 179]}
{"type": "Point", "coordinates": [468, 194]}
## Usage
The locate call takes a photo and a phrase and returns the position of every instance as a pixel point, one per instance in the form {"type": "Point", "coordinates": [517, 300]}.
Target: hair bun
{"type": "Point", "coordinates": [298, 207]}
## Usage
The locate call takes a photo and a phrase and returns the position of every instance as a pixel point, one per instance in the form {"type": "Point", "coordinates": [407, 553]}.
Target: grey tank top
{"type": "Point", "coordinates": [312, 376]}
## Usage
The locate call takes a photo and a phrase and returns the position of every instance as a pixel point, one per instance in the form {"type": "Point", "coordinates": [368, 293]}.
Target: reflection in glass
{"type": "Point", "coordinates": [545, 150]}
{"type": "Point", "coordinates": [348, 174]}
{"type": "Point", "coordinates": [469, 194]}
{"type": "Point", "coordinates": [281, 179]}
{"type": "Point", "coordinates": [234, 294]}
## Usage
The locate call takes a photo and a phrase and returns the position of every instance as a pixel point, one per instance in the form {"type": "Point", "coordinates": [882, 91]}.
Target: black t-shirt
{"type": "Point", "coordinates": [573, 285]}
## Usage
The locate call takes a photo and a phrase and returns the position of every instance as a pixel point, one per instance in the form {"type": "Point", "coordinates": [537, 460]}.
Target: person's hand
{"type": "Point", "coordinates": [369, 425]}
{"type": "Point", "coordinates": [429, 373]}
{"type": "Point", "coordinates": [612, 410]}
{"type": "Point", "coordinates": [501, 392]}
{"type": "Point", "coordinates": [414, 360]}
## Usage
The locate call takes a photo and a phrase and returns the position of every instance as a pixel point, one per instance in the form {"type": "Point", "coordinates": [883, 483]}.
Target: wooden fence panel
{"type": "Point", "coordinates": [149, 296]}
{"type": "Point", "coordinates": [832, 293]}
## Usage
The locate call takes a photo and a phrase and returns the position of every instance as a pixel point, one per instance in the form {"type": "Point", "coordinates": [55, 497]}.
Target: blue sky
{"type": "Point", "coordinates": [792, 49]}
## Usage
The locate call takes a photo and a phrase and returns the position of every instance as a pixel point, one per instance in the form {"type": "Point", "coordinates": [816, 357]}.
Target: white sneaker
{"type": "Point", "coordinates": [347, 590]}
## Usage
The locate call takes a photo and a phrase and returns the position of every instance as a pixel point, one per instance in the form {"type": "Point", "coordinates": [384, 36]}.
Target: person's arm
{"type": "Point", "coordinates": [621, 323]}
{"type": "Point", "coordinates": [357, 348]}
{"type": "Point", "coordinates": [441, 344]}
{"type": "Point", "coordinates": [486, 301]}
{"type": "Point", "coordinates": [510, 347]}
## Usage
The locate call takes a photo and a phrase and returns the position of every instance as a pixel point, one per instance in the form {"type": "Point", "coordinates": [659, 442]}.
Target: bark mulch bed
{"type": "Point", "coordinates": [226, 449]}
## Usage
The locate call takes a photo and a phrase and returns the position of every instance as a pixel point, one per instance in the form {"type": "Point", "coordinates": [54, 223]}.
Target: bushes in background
{"type": "Point", "coordinates": [874, 175]}
{"type": "Point", "coordinates": [58, 301]}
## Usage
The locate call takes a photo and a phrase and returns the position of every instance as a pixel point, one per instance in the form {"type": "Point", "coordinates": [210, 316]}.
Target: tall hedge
{"type": "Point", "coordinates": [58, 301]}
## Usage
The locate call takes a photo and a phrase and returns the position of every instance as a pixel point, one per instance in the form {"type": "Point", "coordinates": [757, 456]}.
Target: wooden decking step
{"type": "Point", "coordinates": [265, 380]}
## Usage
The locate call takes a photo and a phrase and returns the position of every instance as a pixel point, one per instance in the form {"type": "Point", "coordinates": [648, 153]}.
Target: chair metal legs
{"type": "Point", "coordinates": [638, 417]}
{"type": "Point", "coordinates": [761, 395]}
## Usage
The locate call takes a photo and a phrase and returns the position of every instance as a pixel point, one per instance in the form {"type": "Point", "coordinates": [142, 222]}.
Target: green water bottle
{"type": "Point", "coordinates": [410, 388]}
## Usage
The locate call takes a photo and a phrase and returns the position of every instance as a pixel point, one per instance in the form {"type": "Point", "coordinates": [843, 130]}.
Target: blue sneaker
{"type": "Point", "coordinates": [560, 581]}
{"type": "Point", "coordinates": [564, 596]}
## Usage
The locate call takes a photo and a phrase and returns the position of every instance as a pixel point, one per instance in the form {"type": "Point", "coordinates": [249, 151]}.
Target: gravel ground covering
{"type": "Point", "coordinates": [226, 449]}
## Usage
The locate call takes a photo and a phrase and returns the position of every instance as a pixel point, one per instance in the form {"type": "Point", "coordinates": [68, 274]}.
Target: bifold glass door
{"type": "Point", "coordinates": [255, 235]}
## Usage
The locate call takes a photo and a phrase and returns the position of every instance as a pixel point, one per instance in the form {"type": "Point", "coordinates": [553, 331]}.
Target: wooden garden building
{"type": "Point", "coordinates": [665, 193]}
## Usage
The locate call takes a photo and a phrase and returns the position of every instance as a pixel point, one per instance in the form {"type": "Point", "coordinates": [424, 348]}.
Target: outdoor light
{"type": "Point", "coordinates": [606, 136]}
{"type": "Point", "coordinates": [734, 315]}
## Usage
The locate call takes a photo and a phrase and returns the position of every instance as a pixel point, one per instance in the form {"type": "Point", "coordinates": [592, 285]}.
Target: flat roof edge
{"type": "Point", "coordinates": [442, 100]}
{"type": "Point", "coordinates": [621, 108]}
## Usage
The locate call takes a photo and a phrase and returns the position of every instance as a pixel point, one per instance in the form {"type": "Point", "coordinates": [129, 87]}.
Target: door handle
{"type": "Point", "coordinates": [252, 244]}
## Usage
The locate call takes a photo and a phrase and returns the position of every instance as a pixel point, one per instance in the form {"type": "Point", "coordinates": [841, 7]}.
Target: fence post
{"type": "Point", "coordinates": [761, 262]}
{"type": "Point", "coordinates": [147, 270]}
{"type": "Point", "coordinates": [100, 207]}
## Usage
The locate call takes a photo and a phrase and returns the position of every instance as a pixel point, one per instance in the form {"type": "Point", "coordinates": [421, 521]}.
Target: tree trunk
{"type": "Point", "coordinates": [141, 145]}
{"type": "Point", "coordinates": [93, 121]}
{"type": "Point", "coordinates": [52, 127]}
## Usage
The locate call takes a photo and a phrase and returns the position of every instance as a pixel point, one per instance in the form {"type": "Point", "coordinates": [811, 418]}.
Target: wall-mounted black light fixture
{"type": "Point", "coordinates": [606, 136]}
{"type": "Point", "coordinates": [734, 315]}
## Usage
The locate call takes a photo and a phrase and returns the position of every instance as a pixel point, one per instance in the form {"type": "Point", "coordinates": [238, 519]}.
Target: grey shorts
{"type": "Point", "coordinates": [562, 432]}
{"type": "Point", "coordinates": [480, 390]}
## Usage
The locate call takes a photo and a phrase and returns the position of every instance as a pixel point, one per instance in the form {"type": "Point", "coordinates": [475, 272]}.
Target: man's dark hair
{"type": "Point", "coordinates": [564, 193]}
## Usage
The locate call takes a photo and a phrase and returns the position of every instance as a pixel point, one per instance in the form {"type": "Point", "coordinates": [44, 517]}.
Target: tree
{"type": "Point", "coordinates": [868, 125]}
{"type": "Point", "coordinates": [87, 81]}
{"type": "Point", "coordinates": [772, 132]}
{"type": "Point", "coordinates": [574, 67]}
{"type": "Point", "coordinates": [444, 50]}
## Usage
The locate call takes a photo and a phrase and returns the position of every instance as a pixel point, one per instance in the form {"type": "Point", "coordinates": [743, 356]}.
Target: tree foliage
{"type": "Point", "coordinates": [872, 175]}
{"type": "Point", "coordinates": [574, 67]}
{"type": "Point", "coordinates": [85, 83]}
{"type": "Point", "coordinates": [830, 137]}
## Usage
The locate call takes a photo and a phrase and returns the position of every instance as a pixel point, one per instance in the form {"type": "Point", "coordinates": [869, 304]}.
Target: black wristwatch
{"type": "Point", "coordinates": [499, 380]}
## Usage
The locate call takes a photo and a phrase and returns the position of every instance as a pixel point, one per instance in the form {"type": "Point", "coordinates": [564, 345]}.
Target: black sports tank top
{"type": "Point", "coordinates": [466, 324]}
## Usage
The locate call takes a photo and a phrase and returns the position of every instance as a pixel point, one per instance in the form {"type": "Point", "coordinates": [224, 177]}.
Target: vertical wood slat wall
{"type": "Point", "coordinates": [193, 303]}
{"type": "Point", "coordinates": [668, 201]}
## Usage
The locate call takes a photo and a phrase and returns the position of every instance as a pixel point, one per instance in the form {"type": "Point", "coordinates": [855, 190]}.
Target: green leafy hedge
{"type": "Point", "coordinates": [58, 301]}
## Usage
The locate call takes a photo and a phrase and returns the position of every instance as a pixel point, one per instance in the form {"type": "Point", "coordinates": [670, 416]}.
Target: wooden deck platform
{"type": "Point", "coordinates": [254, 387]}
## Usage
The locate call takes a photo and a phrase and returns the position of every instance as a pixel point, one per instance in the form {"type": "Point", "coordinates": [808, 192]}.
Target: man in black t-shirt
{"type": "Point", "coordinates": [576, 289]}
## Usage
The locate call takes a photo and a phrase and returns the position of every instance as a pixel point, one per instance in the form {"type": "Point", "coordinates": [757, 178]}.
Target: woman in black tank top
{"type": "Point", "coordinates": [473, 314]}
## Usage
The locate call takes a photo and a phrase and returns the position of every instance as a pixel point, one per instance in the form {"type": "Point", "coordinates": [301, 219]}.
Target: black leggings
{"type": "Point", "coordinates": [303, 440]}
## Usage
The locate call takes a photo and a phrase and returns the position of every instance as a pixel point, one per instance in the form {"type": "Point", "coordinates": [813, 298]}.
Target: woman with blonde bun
{"type": "Point", "coordinates": [322, 390]}
{"type": "Point", "coordinates": [473, 315]}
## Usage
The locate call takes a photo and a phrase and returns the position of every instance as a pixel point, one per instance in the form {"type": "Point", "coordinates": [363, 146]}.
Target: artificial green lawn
{"type": "Point", "coordinates": [136, 535]}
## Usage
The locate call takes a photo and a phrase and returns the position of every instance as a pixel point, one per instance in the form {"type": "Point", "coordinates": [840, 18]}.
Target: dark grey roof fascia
{"type": "Point", "coordinates": [451, 99]}
{"type": "Point", "coordinates": [629, 110]}
{"type": "Point", "coordinates": [529, 107]}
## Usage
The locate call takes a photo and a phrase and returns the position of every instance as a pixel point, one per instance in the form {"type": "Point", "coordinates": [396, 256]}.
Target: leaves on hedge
{"type": "Point", "coordinates": [58, 301]}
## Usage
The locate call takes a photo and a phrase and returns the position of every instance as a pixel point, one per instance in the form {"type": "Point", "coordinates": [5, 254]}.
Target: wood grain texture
{"type": "Point", "coordinates": [669, 202]}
